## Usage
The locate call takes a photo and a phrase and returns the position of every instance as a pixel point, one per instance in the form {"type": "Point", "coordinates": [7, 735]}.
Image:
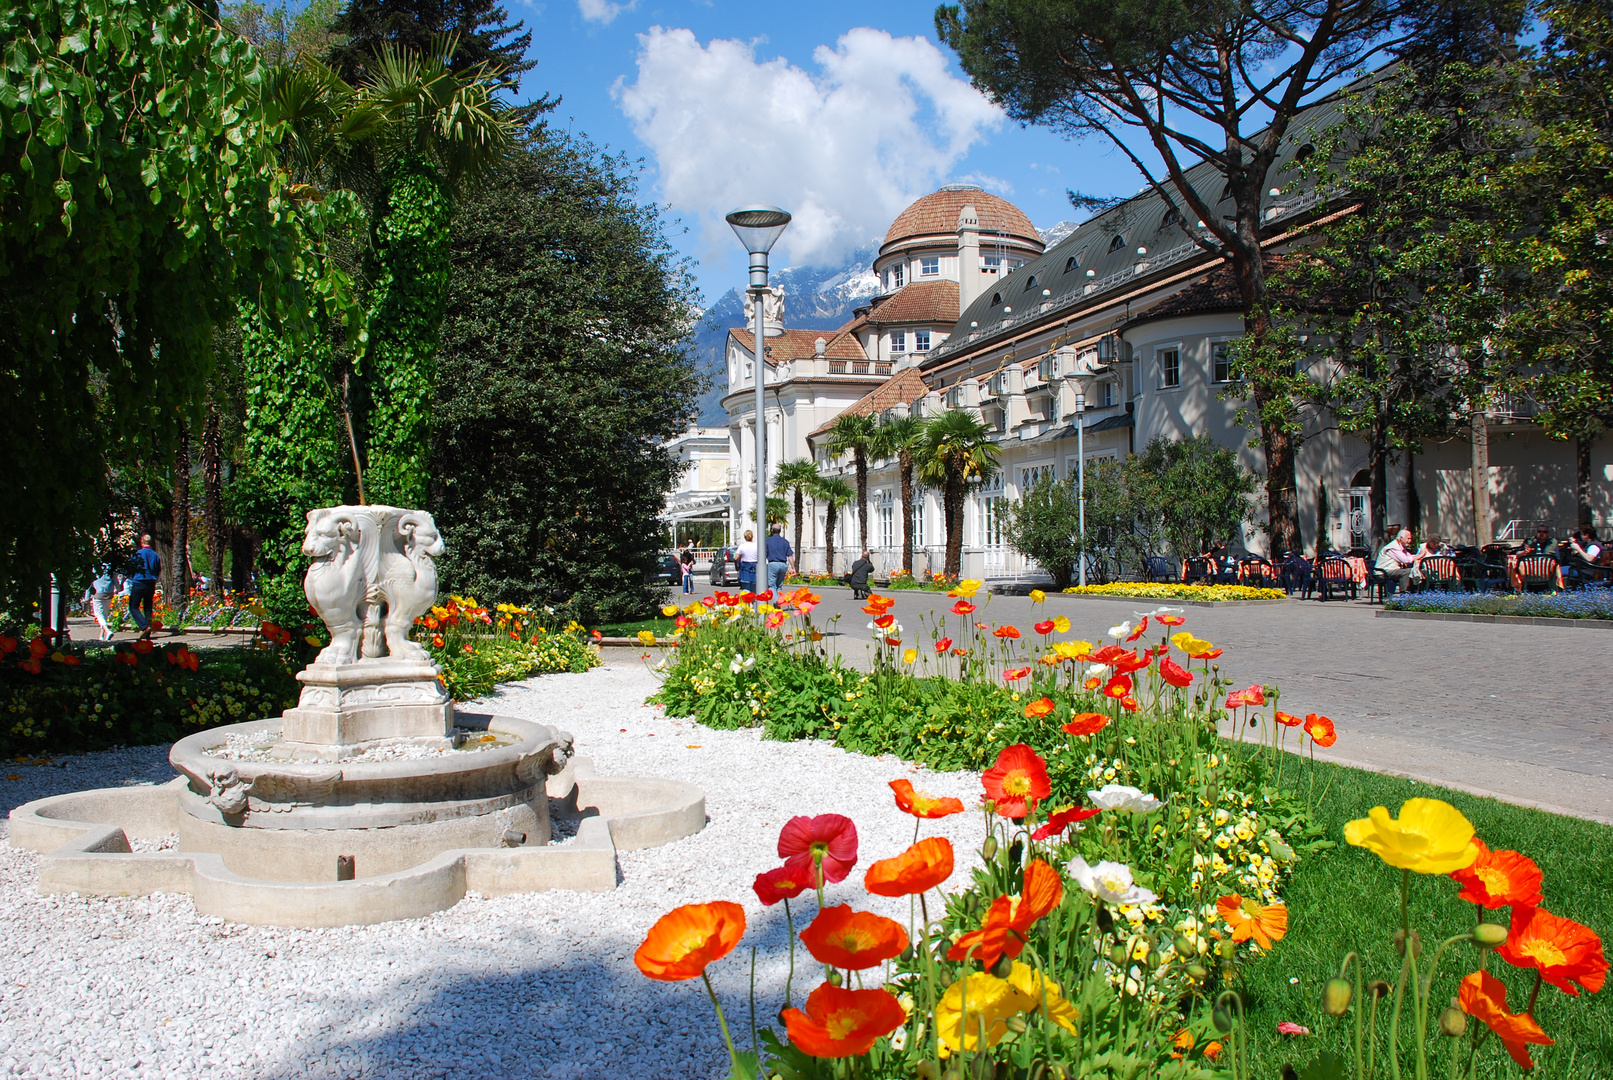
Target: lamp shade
{"type": "Point", "coordinates": [758, 227]}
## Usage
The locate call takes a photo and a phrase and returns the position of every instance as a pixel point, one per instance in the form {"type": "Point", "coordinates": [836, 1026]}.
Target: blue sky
{"type": "Point", "coordinates": [865, 110]}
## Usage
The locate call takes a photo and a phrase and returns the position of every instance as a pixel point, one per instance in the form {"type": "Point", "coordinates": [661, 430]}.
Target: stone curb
{"type": "Point", "coordinates": [1518, 620]}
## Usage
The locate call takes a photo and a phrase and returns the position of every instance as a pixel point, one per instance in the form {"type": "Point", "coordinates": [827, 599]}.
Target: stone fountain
{"type": "Point", "coordinates": [372, 799]}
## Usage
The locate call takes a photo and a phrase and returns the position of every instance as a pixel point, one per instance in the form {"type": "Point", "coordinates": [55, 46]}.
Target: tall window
{"type": "Point", "coordinates": [897, 274]}
{"type": "Point", "coordinates": [989, 520]}
{"type": "Point", "coordinates": [1032, 475]}
{"type": "Point", "coordinates": [921, 341]}
{"type": "Point", "coordinates": [898, 341]}
{"type": "Point", "coordinates": [885, 520]}
{"type": "Point", "coordinates": [1170, 368]}
{"type": "Point", "coordinates": [918, 516]}
{"type": "Point", "coordinates": [1221, 361]}
{"type": "Point", "coordinates": [930, 267]}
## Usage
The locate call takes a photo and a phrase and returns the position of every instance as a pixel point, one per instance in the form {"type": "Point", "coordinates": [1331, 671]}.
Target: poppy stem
{"type": "Point", "coordinates": [722, 1022]}
{"type": "Point", "coordinates": [1535, 993]}
{"type": "Point", "coordinates": [790, 923]}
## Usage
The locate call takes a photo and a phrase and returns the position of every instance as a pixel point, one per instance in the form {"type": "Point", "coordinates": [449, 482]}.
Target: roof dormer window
{"type": "Point", "coordinates": [1172, 217]}
{"type": "Point", "coordinates": [1117, 243]}
{"type": "Point", "coordinates": [1072, 263]}
{"type": "Point", "coordinates": [996, 298]}
{"type": "Point", "coordinates": [1031, 284]}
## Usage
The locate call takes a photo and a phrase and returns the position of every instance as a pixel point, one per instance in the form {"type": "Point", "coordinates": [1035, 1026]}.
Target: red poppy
{"type": "Point", "coordinates": [72, 660]}
{"type": "Point", "coordinates": [960, 652]}
{"type": "Point", "coordinates": [1499, 879]}
{"type": "Point", "coordinates": [1017, 781]}
{"type": "Point", "coordinates": [1288, 719]}
{"type": "Point", "coordinates": [1320, 729]}
{"type": "Point", "coordinates": [843, 938]}
{"type": "Point", "coordinates": [1129, 703]}
{"type": "Point", "coordinates": [1117, 687]}
{"type": "Point", "coordinates": [1563, 951]}
{"type": "Point", "coordinates": [1087, 723]}
{"type": "Point", "coordinates": [1007, 632]}
{"type": "Point", "coordinates": [1484, 997]}
{"type": "Point", "coordinates": [1092, 683]}
{"type": "Point", "coordinates": [1064, 819]}
{"type": "Point", "coordinates": [142, 646]}
{"type": "Point", "coordinates": [1109, 654]}
{"type": "Point", "coordinates": [38, 647]}
{"type": "Point", "coordinates": [765, 596]}
{"type": "Point", "coordinates": [126, 658]}
{"type": "Point", "coordinates": [1015, 674]}
{"type": "Point", "coordinates": [921, 804]}
{"type": "Point", "coordinates": [1172, 620]}
{"type": "Point", "coordinates": [943, 645]}
{"type": "Point", "coordinates": [1174, 673]}
{"type": "Point", "coordinates": [8, 644]}
{"type": "Point", "coordinates": [746, 596]}
{"type": "Point", "coordinates": [829, 838]}
{"type": "Point", "coordinates": [710, 601]}
{"type": "Point", "coordinates": [1142, 628]}
{"type": "Point", "coordinates": [1253, 695]}
{"type": "Point", "coordinates": [838, 1022]}
{"type": "Point", "coordinates": [684, 940]}
{"type": "Point", "coordinates": [30, 665]}
{"type": "Point", "coordinates": [921, 867]}
{"type": "Point", "coordinates": [963, 607]}
{"type": "Point", "coordinates": [1039, 708]}
{"type": "Point", "coordinates": [893, 641]}
{"type": "Point", "coordinates": [780, 883]}
{"type": "Point", "coordinates": [1208, 654]}
{"type": "Point", "coordinates": [884, 622]}
{"type": "Point", "coordinates": [1044, 627]}
{"type": "Point", "coordinates": [1002, 932]}
{"type": "Point", "coordinates": [1127, 663]}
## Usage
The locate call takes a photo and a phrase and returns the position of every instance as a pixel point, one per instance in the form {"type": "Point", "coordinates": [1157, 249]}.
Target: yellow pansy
{"type": "Point", "coordinates": [1061, 624]}
{"type": "Point", "coordinates": [1431, 836]}
{"type": "Point", "coordinates": [1037, 596]}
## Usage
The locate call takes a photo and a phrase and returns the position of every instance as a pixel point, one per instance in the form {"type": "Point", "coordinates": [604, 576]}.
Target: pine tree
{"type": "Point", "coordinates": [483, 29]}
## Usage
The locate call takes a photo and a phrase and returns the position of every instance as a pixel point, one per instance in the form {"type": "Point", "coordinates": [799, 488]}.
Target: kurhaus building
{"type": "Point", "coordinates": [975, 314]}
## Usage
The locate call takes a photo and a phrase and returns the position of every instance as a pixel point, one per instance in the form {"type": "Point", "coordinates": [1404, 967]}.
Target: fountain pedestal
{"type": "Point", "coordinates": [348, 708]}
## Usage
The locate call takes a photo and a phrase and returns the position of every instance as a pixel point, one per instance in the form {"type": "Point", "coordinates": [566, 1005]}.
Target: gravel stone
{"type": "Point", "coordinates": [536, 985]}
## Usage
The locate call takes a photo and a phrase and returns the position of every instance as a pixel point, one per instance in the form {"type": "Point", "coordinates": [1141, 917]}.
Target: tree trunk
{"type": "Point", "coordinates": [179, 569]}
{"type": "Point", "coordinates": [800, 556]}
{"type": "Point", "coordinates": [1379, 465]}
{"type": "Point", "coordinates": [1479, 425]}
{"type": "Point", "coordinates": [240, 560]}
{"type": "Point", "coordinates": [1414, 503]}
{"type": "Point", "coordinates": [213, 482]}
{"type": "Point", "coordinates": [1277, 444]}
{"type": "Point", "coordinates": [904, 463]}
{"type": "Point", "coordinates": [829, 540]}
{"type": "Point", "coordinates": [1582, 479]}
{"type": "Point", "coordinates": [861, 459]}
{"type": "Point", "coordinates": [952, 498]}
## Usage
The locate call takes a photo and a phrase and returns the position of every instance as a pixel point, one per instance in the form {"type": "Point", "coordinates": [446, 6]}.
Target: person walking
{"type": "Point", "coordinates": [747, 561]}
{"type": "Point", "coordinates": [686, 561]}
{"type": "Point", "coordinates": [144, 570]}
{"type": "Point", "coordinates": [100, 595]}
{"type": "Point", "coordinates": [779, 555]}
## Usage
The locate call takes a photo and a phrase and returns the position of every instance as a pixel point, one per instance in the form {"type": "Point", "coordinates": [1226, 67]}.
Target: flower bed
{"type": "Point", "coordinates": [1132, 859]}
{"type": "Point", "coordinates": [1161, 591]}
{"type": "Point", "coordinates": [1589, 603]}
{"type": "Point", "coordinates": [477, 649]}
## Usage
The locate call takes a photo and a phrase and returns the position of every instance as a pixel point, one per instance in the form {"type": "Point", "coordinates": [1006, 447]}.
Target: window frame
{"type": "Point", "coordinates": [1215, 344]}
{"type": "Point", "coordinates": [930, 267]}
{"type": "Point", "coordinates": [921, 341]}
{"type": "Point", "coordinates": [898, 342]}
{"type": "Point", "coordinates": [1160, 352]}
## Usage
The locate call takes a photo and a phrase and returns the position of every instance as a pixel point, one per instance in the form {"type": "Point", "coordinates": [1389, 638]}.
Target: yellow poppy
{"type": "Point", "coordinates": [1061, 624]}
{"type": "Point", "coordinates": [910, 655]}
{"type": "Point", "coordinates": [1037, 596]}
{"type": "Point", "coordinates": [646, 637]}
{"type": "Point", "coordinates": [670, 610]}
{"type": "Point", "coordinates": [991, 1002]}
{"type": "Point", "coordinates": [1073, 650]}
{"type": "Point", "coordinates": [1431, 837]}
{"type": "Point", "coordinates": [1189, 644]}
{"type": "Point", "coordinates": [965, 588]}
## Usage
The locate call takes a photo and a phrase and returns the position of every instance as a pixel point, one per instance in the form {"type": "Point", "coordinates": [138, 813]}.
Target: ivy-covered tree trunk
{"type": "Point", "coordinates": [412, 245]}
{"type": "Point", "coordinates": [904, 465]}
{"type": "Point", "coordinates": [213, 498]}
{"type": "Point", "coordinates": [830, 519]}
{"type": "Point", "coordinates": [179, 567]}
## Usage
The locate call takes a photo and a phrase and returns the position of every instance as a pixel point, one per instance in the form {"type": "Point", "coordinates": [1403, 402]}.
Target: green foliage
{"type": "Point", "coordinates": [282, 35]}
{"type": "Point", "coordinates": [1196, 489]}
{"type": "Point", "coordinates": [856, 434]}
{"type": "Point", "coordinates": [1045, 524]}
{"type": "Point", "coordinates": [100, 703]}
{"type": "Point", "coordinates": [482, 28]}
{"type": "Point", "coordinates": [561, 369]}
{"type": "Point", "coordinates": [955, 450]}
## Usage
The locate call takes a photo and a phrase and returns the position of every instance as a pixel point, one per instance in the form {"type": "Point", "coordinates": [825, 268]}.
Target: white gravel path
{"type": "Point", "coordinates": [539, 985]}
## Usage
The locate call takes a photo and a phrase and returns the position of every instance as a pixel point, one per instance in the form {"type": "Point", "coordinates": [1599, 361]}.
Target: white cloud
{"type": "Point", "coordinates": [603, 11]}
{"type": "Point", "coordinates": [844, 150]}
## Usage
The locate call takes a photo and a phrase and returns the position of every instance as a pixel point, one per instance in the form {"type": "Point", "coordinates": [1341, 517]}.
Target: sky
{"type": "Point", "coordinates": [841, 113]}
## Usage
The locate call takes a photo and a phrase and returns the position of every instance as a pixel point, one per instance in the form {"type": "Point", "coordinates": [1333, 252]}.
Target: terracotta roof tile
{"type": "Point", "coordinates": [902, 388]}
{"type": "Point", "coordinates": [920, 302]}
{"type": "Point", "coordinates": [798, 344]}
{"type": "Point", "coordinates": [937, 212]}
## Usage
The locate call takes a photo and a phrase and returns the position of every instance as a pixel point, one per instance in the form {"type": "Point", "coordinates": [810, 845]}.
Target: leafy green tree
{"type": "Point", "coordinates": [956, 450]}
{"type": "Point", "coordinates": [484, 35]}
{"type": "Point", "coordinates": [1045, 524]}
{"type": "Point", "coordinates": [1196, 487]}
{"type": "Point", "coordinates": [900, 437]}
{"type": "Point", "coordinates": [140, 194]}
{"type": "Point", "coordinates": [797, 479]}
{"type": "Point", "coordinates": [1222, 83]}
{"type": "Point", "coordinates": [854, 434]}
{"type": "Point", "coordinates": [281, 35]}
{"type": "Point", "coordinates": [562, 369]}
{"type": "Point", "coordinates": [833, 493]}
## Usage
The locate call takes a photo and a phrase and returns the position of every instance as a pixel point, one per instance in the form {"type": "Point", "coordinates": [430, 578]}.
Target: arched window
{"type": "Point", "coordinates": [996, 298]}
{"type": "Point", "coordinates": [1117, 243]}
{"type": "Point", "coordinates": [1072, 263]}
{"type": "Point", "coordinates": [1031, 284]}
{"type": "Point", "coordinates": [1172, 217]}
{"type": "Point", "coordinates": [1304, 152]}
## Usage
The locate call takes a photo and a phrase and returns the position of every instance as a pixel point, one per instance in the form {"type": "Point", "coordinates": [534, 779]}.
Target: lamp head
{"type": "Point", "coordinates": [758, 227]}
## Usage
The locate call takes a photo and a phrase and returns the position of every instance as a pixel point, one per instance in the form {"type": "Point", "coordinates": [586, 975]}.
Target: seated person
{"type": "Point", "coordinates": [858, 578]}
{"type": "Point", "coordinates": [1585, 555]}
{"type": "Point", "coordinates": [1398, 563]}
{"type": "Point", "coordinates": [1433, 546]}
{"type": "Point", "coordinates": [1539, 544]}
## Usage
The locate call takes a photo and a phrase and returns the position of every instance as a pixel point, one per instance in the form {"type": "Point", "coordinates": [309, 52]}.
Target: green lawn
{"type": "Point", "coordinates": [1348, 899]}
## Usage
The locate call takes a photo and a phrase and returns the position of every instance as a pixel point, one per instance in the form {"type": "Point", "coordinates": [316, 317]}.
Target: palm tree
{"type": "Point", "coordinates": [855, 433]}
{"type": "Point", "coordinates": [834, 493]}
{"type": "Point", "coordinates": [900, 438]}
{"type": "Point", "coordinates": [798, 478]}
{"type": "Point", "coordinates": [956, 449]}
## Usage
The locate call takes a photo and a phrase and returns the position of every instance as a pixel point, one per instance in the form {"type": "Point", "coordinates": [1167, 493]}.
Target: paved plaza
{"type": "Point", "coordinates": [1515, 711]}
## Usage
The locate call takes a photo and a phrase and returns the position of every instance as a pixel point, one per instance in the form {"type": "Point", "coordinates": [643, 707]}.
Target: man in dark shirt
{"type": "Point", "coordinates": [858, 578]}
{"type": "Point", "coordinates": [1541, 544]}
{"type": "Point", "coordinates": [144, 569]}
{"type": "Point", "coordinates": [779, 554]}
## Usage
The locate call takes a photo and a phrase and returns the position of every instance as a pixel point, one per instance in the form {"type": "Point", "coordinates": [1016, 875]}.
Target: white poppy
{"type": "Point", "coordinates": [1121, 797]}
{"type": "Point", "coordinates": [1109, 881]}
{"type": "Point", "coordinates": [1121, 632]}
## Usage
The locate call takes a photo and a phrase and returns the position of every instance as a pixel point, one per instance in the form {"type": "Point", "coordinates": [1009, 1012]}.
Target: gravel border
{"type": "Point", "coordinates": [539, 985]}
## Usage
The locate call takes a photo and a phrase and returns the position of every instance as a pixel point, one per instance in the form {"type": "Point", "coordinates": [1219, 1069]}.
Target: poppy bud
{"type": "Point", "coordinates": [1229, 948]}
{"type": "Point", "coordinates": [1222, 1019]}
{"type": "Point", "coordinates": [1378, 988]}
{"type": "Point", "coordinates": [988, 850]}
{"type": "Point", "coordinates": [1184, 947]}
{"type": "Point", "coordinates": [906, 955]}
{"type": "Point", "coordinates": [1014, 851]}
{"type": "Point", "coordinates": [1490, 935]}
{"type": "Point", "coordinates": [1003, 967]}
{"type": "Point", "coordinates": [1017, 1024]}
{"type": "Point", "coordinates": [1213, 792]}
{"type": "Point", "coordinates": [1453, 1022]}
{"type": "Point", "coordinates": [833, 978]}
{"type": "Point", "coordinates": [1336, 997]}
{"type": "Point", "coordinates": [1198, 972]}
{"type": "Point", "coordinates": [928, 1070]}
{"type": "Point", "coordinates": [1106, 921]}
{"type": "Point", "coordinates": [1416, 943]}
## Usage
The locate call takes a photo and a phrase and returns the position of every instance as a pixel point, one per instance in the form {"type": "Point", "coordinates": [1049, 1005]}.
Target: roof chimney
{"type": "Point", "coordinates": [968, 257]}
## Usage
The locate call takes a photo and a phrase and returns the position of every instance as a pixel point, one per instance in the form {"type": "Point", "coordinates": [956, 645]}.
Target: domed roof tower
{"type": "Point", "coordinates": [960, 233]}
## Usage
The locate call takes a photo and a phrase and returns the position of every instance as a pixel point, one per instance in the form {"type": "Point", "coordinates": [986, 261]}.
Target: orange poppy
{"type": "Point", "coordinates": [1484, 997]}
{"type": "Point", "coordinates": [1092, 683]}
{"type": "Point", "coordinates": [684, 940]}
{"type": "Point", "coordinates": [1249, 919]}
{"type": "Point", "coordinates": [843, 938]}
{"type": "Point", "coordinates": [1287, 719]}
{"type": "Point", "coordinates": [884, 622]}
{"type": "Point", "coordinates": [1563, 951]}
{"type": "Point", "coordinates": [1017, 781]}
{"type": "Point", "coordinates": [1174, 673]}
{"type": "Point", "coordinates": [1044, 627]}
{"type": "Point", "coordinates": [839, 1023]}
{"type": "Point", "coordinates": [1015, 674]}
{"type": "Point", "coordinates": [1117, 687]}
{"type": "Point", "coordinates": [1002, 932]}
{"type": "Point", "coordinates": [1320, 729]}
{"type": "Point", "coordinates": [963, 607]}
{"type": "Point", "coordinates": [1039, 708]}
{"type": "Point", "coordinates": [1129, 703]}
{"type": "Point", "coordinates": [1142, 628]}
{"type": "Point", "coordinates": [1006, 632]}
{"type": "Point", "coordinates": [960, 652]}
{"type": "Point", "coordinates": [1209, 654]}
{"type": "Point", "coordinates": [921, 867]}
{"type": "Point", "coordinates": [1499, 879]}
{"type": "Point", "coordinates": [1087, 723]}
{"type": "Point", "coordinates": [921, 804]}
{"type": "Point", "coordinates": [780, 883]}
{"type": "Point", "coordinates": [38, 648]}
{"type": "Point", "coordinates": [1064, 819]}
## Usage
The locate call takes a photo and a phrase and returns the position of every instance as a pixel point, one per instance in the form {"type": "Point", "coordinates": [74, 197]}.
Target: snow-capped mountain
{"type": "Point", "coordinates": [1053, 234]}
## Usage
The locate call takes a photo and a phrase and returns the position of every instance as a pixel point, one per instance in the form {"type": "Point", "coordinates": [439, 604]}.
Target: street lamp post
{"type": "Point", "coordinates": [758, 228]}
{"type": "Point", "coordinates": [1082, 375]}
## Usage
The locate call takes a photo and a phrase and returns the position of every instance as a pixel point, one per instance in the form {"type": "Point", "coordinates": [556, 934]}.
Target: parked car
{"type": "Point", "coordinates": [668, 572]}
{"type": "Point", "coordinates": [724, 568]}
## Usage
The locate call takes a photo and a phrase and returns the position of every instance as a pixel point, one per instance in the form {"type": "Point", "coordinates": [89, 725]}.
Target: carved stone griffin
{"type": "Point", "coordinates": [372, 575]}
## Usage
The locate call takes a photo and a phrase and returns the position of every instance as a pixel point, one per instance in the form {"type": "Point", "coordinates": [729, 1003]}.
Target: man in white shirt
{"type": "Point", "coordinates": [746, 557]}
{"type": "Point", "coordinates": [1397, 561]}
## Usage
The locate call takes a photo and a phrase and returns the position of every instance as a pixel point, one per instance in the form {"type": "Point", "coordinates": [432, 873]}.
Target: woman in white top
{"type": "Point", "coordinates": [746, 556]}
